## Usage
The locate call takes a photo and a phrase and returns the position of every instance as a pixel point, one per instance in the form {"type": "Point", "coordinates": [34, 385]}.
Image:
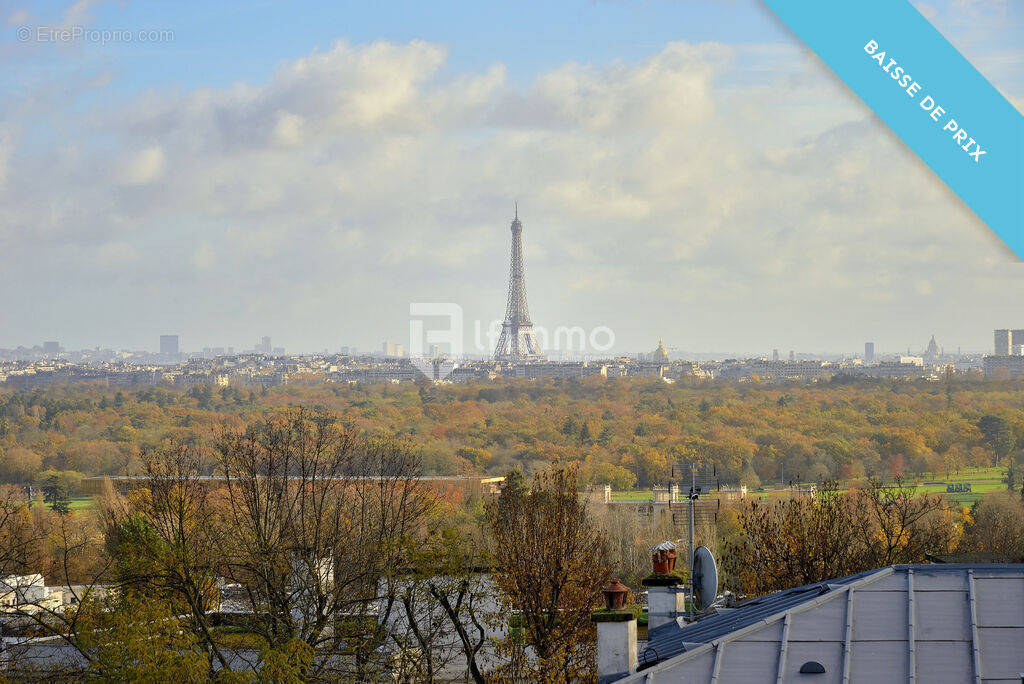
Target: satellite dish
{"type": "Point", "coordinates": [705, 578]}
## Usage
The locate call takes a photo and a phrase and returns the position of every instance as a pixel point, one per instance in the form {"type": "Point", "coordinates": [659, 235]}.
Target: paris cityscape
{"type": "Point", "coordinates": [517, 353]}
{"type": "Point", "coordinates": [499, 343]}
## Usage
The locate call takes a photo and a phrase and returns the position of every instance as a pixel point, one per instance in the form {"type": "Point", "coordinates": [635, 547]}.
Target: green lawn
{"type": "Point", "coordinates": [632, 495]}
{"type": "Point", "coordinates": [82, 503]}
{"type": "Point", "coordinates": [982, 481]}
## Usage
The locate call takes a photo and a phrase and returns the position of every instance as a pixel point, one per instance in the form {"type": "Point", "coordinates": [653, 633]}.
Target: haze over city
{"type": "Point", "coordinates": [306, 177]}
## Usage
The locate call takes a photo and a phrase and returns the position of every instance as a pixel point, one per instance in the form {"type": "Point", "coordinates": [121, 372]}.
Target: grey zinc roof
{"type": "Point", "coordinates": [903, 623]}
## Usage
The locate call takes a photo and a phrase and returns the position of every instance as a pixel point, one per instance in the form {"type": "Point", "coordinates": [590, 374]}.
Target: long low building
{"type": "Point", "coordinates": [1010, 366]}
{"type": "Point", "coordinates": [764, 369]}
{"type": "Point", "coordinates": [480, 486]}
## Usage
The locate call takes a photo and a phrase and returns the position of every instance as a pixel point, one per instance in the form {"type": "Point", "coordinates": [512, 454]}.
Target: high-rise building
{"type": "Point", "coordinates": [869, 352]}
{"type": "Point", "coordinates": [51, 348]}
{"type": "Point", "coordinates": [518, 341]}
{"type": "Point", "coordinates": [775, 354]}
{"type": "Point", "coordinates": [169, 345]}
{"type": "Point", "coordinates": [1008, 342]}
{"type": "Point", "coordinates": [389, 348]}
{"type": "Point", "coordinates": [264, 346]}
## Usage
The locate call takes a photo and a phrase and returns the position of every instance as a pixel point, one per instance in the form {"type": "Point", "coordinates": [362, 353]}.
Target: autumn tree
{"type": "Point", "coordinates": [551, 562]}
{"type": "Point", "coordinates": [898, 526]}
{"type": "Point", "coordinates": [167, 541]}
{"type": "Point", "coordinates": [313, 524]}
{"type": "Point", "coordinates": [70, 559]}
{"type": "Point", "coordinates": [319, 520]}
{"type": "Point", "coordinates": [130, 637]}
{"type": "Point", "coordinates": [445, 605]}
{"type": "Point", "coordinates": [831, 534]}
{"type": "Point", "coordinates": [630, 536]}
{"type": "Point", "coordinates": [995, 526]}
{"type": "Point", "coordinates": [790, 543]}
{"type": "Point", "coordinates": [998, 436]}
{"type": "Point", "coordinates": [20, 546]}
{"type": "Point", "coordinates": [57, 493]}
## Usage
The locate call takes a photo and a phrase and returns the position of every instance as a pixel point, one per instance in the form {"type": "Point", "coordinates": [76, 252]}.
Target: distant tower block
{"type": "Point", "coordinates": [517, 341]}
{"type": "Point", "coordinates": [1003, 342]}
{"type": "Point", "coordinates": [869, 352]}
{"type": "Point", "coordinates": [169, 345]}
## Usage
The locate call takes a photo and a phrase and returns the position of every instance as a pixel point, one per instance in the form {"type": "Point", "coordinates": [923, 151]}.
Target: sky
{"type": "Point", "coordinates": [685, 171]}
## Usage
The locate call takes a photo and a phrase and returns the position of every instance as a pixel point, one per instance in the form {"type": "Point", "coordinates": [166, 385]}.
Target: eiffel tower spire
{"type": "Point", "coordinates": [518, 341]}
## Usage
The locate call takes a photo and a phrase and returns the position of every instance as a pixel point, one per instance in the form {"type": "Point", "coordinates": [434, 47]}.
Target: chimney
{"type": "Point", "coordinates": [616, 635]}
{"type": "Point", "coordinates": [666, 597]}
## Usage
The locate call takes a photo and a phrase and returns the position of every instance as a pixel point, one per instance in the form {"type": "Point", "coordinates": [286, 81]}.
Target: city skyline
{"type": "Point", "coordinates": [171, 189]}
{"type": "Point", "coordinates": [391, 347]}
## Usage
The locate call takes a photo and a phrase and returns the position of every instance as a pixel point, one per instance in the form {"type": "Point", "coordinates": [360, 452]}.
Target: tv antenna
{"type": "Point", "coordinates": [696, 479]}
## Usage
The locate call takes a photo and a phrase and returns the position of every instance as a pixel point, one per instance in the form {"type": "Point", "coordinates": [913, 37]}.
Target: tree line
{"type": "Point", "coordinates": [624, 432]}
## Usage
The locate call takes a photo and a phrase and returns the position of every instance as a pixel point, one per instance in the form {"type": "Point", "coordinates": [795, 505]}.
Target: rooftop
{"type": "Point", "coordinates": [940, 622]}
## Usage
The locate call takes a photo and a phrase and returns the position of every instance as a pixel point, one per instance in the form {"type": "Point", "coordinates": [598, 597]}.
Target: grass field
{"type": "Point", "coordinates": [982, 481]}
{"type": "Point", "coordinates": [632, 495]}
{"type": "Point", "coordinates": [81, 503]}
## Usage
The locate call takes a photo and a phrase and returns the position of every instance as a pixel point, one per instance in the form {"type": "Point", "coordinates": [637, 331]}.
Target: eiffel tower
{"type": "Point", "coordinates": [517, 342]}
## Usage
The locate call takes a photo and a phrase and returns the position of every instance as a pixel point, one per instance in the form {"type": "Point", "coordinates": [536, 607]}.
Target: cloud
{"type": "Point", "coordinates": [980, 5]}
{"type": "Point", "coordinates": [288, 129]}
{"type": "Point", "coordinates": [987, 33]}
{"type": "Point", "coordinates": [18, 17]}
{"type": "Point", "coordinates": [6, 147]}
{"type": "Point", "coordinates": [113, 256]}
{"type": "Point", "coordinates": [77, 13]}
{"type": "Point", "coordinates": [144, 166]}
{"type": "Point", "coordinates": [696, 195]}
{"type": "Point", "coordinates": [204, 258]}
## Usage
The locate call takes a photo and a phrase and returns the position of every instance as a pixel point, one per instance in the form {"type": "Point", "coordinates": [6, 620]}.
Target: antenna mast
{"type": "Point", "coordinates": [702, 479]}
{"type": "Point", "coordinates": [693, 501]}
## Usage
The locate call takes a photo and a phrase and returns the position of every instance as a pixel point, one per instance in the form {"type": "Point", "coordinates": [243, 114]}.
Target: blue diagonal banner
{"type": "Point", "coordinates": [929, 95]}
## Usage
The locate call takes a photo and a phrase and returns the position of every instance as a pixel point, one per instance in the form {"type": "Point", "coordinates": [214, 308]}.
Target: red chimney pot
{"type": "Point", "coordinates": [615, 595]}
{"type": "Point", "coordinates": [664, 561]}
